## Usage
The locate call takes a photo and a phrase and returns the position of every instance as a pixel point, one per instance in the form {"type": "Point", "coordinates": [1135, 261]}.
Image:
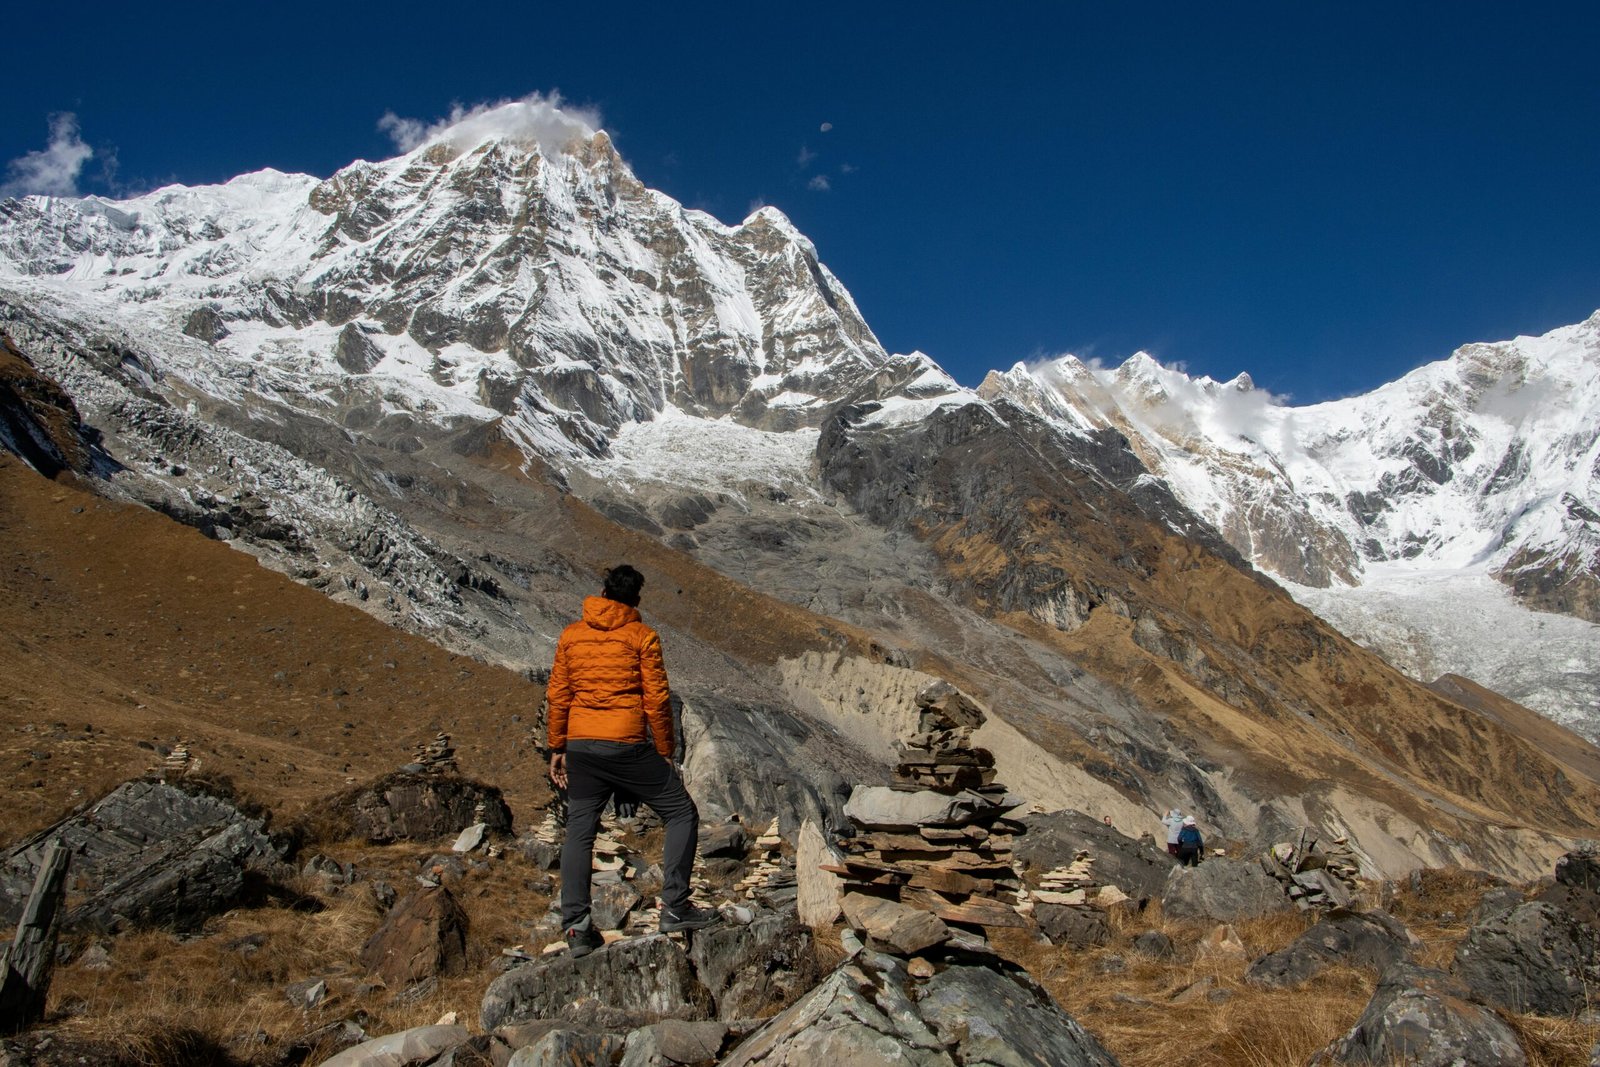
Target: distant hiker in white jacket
{"type": "Point", "coordinates": [1173, 821]}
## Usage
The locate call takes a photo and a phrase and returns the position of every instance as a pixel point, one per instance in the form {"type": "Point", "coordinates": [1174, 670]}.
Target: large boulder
{"type": "Point", "coordinates": [1222, 890]}
{"type": "Point", "coordinates": [1138, 868]}
{"type": "Point", "coordinates": [818, 891]}
{"type": "Point", "coordinates": [894, 926]}
{"type": "Point", "coordinates": [1422, 1018]}
{"type": "Point", "coordinates": [415, 1046]}
{"type": "Point", "coordinates": [619, 987]}
{"type": "Point", "coordinates": [878, 807]}
{"type": "Point", "coordinates": [570, 1048]}
{"type": "Point", "coordinates": [424, 935]}
{"type": "Point", "coordinates": [421, 807]}
{"type": "Point", "coordinates": [871, 1011]}
{"type": "Point", "coordinates": [1576, 889]}
{"type": "Point", "coordinates": [755, 970]}
{"type": "Point", "coordinates": [1536, 957]}
{"type": "Point", "coordinates": [1072, 927]}
{"type": "Point", "coordinates": [674, 1042]}
{"type": "Point", "coordinates": [1357, 939]}
{"type": "Point", "coordinates": [152, 854]}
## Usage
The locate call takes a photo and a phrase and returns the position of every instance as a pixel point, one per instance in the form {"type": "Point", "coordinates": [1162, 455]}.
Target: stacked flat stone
{"type": "Point", "coordinates": [1072, 884]}
{"type": "Point", "coordinates": [1314, 874]}
{"type": "Point", "coordinates": [931, 862]}
{"type": "Point", "coordinates": [179, 762]}
{"type": "Point", "coordinates": [772, 880]}
{"type": "Point", "coordinates": [940, 755]}
{"type": "Point", "coordinates": [437, 756]}
{"type": "Point", "coordinates": [611, 855]}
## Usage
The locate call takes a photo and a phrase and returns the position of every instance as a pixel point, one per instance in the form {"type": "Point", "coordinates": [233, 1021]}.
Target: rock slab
{"type": "Point", "coordinates": [1422, 1018]}
{"type": "Point", "coordinates": [425, 935]}
{"type": "Point", "coordinates": [1222, 890]}
{"type": "Point", "coordinates": [620, 987]}
{"type": "Point", "coordinates": [870, 1011]}
{"type": "Point", "coordinates": [1360, 939]}
{"type": "Point", "coordinates": [1536, 957]}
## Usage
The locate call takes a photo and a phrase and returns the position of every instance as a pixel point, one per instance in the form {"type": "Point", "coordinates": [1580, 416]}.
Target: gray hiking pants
{"type": "Point", "coordinates": [594, 770]}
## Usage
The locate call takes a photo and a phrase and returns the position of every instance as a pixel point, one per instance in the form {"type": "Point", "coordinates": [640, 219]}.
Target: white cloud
{"type": "Point", "coordinates": [826, 126]}
{"type": "Point", "coordinates": [805, 157]}
{"type": "Point", "coordinates": [847, 168]}
{"type": "Point", "coordinates": [820, 183]}
{"type": "Point", "coordinates": [536, 118]}
{"type": "Point", "coordinates": [53, 171]}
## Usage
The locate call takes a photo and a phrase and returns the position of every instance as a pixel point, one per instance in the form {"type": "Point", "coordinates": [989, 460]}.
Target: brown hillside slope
{"type": "Point", "coordinates": [1245, 677]}
{"type": "Point", "coordinates": [120, 627]}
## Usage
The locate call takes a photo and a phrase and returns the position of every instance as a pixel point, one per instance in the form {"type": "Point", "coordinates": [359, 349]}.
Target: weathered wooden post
{"type": "Point", "coordinates": [26, 963]}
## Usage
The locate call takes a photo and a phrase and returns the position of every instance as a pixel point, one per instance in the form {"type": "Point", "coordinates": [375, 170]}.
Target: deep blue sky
{"type": "Point", "coordinates": [1324, 195]}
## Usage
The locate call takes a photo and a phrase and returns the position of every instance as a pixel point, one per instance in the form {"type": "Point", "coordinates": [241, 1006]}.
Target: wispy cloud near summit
{"type": "Point", "coordinates": [537, 118]}
{"type": "Point", "coordinates": [54, 170]}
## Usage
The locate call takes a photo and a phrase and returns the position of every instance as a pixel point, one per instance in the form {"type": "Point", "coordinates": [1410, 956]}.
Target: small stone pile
{"type": "Point", "coordinates": [437, 756]}
{"type": "Point", "coordinates": [772, 880]}
{"type": "Point", "coordinates": [611, 855]}
{"type": "Point", "coordinates": [935, 847]}
{"type": "Point", "coordinates": [179, 763]}
{"type": "Point", "coordinates": [1314, 874]}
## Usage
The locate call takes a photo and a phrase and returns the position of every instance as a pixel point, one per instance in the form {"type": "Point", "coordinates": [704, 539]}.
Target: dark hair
{"type": "Point", "coordinates": [623, 584]}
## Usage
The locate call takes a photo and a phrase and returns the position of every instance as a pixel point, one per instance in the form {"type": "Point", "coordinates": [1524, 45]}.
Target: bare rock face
{"type": "Point", "coordinates": [1535, 957]}
{"type": "Point", "coordinates": [415, 1046]}
{"type": "Point", "coordinates": [871, 1010]}
{"type": "Point", "coordinates": [404, 806]}
{"type": "Point", "coordinates": [150, 854]}
{"type": "Point", "coordinates": [424, 936]}
{"type": "Point", "coordinates": [1422, 1017]}
{"type": "Point", "coordinates": [619, 988]}
{"type": "Point", "coordinates": [1074, 927]}
{"type": "Point", "coordinates": [1138, 868]}
{"type": "Point", "coordinates": [1371, 939]}
{"type": "Point", "coordinates": [1223, 890]}
{"type": "Point", "coordinates": [752, 971]}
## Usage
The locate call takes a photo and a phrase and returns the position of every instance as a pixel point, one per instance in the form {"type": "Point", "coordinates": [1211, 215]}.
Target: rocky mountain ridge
{"type": "Point", "coordinates": [311, 385]}
{"type": "Point", "coordinates": [1482, 466]}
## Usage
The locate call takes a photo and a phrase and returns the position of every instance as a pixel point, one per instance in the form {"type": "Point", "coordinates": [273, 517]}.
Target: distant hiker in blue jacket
{"type": "Point", "coordinates": [1190, 844]}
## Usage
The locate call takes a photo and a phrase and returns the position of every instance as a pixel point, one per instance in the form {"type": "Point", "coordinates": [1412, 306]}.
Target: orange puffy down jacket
{"type": "Point", "coordinates": [609, 680]}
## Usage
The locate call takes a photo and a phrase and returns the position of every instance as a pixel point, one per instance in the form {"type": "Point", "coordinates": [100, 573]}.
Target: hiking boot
{"type": "Point", "coordinates": [582, 940]}
{"type": "Point", "coordinates": [688, 917]}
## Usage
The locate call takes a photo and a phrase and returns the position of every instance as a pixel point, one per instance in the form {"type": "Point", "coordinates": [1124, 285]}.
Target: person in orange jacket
{"type": "Point", "coordinates": [610, 731]}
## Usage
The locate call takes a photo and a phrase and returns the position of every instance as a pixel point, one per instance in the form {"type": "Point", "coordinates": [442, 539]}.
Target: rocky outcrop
{"type": "Point", "coordinates": [751, 971]}
{"type": "Point", "coordinates": [631, 984]}
{"type": "Point", "coordinates": [423, 936]}
{"type": "Point", "coordinates": [1136, 866]}
{"type": "Point", "coordinates": [152, 854]}
{"type": "Point", "coordinates": [1222, 890]}
{"type": "Point", "coordinates": [404, 1049]}
{"type": "Point", "coordinates": [1374, 940]}
{"type": "Point", "coordinates": [409, 805]}
{"type": "Point", "coordinates": [1535, 957]}
{"type": "Point", "coordinates": [1423, 1018]}
{"type": "Point", "coordinates": [1314, 873]}
{"type": "Point", "coordinates": [1543, 955]}
{"type": "Point", "coordinates": [872, 1011]}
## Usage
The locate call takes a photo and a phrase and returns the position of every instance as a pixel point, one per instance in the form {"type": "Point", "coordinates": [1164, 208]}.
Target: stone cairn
{"type": "Point", "coordinates": [436, 756]}
{"type": "Point", "coordinates": [1072, 885]}
{"type": "Point", "coordinates": [931, 861]}
{"type": "Point", "coordinates": [1314, 874]}
{"type": "Point", "coordinates": [179, 763]}
{"type": "Point", "coordinates": [772, 880]}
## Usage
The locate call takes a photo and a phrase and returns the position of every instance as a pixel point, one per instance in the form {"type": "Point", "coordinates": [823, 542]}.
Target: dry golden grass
{"type": "Point", "coordinates": [1555, 1042]}
{"type": "Point", "coordinates": [221, 997]}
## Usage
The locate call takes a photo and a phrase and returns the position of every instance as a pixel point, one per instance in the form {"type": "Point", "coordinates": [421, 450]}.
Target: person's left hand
{"type": "Point", "coordinates": [558, 769]}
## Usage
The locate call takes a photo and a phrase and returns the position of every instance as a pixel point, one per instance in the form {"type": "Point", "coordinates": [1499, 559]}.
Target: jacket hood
{"type": "Point", "coordinates": [605, 614]}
